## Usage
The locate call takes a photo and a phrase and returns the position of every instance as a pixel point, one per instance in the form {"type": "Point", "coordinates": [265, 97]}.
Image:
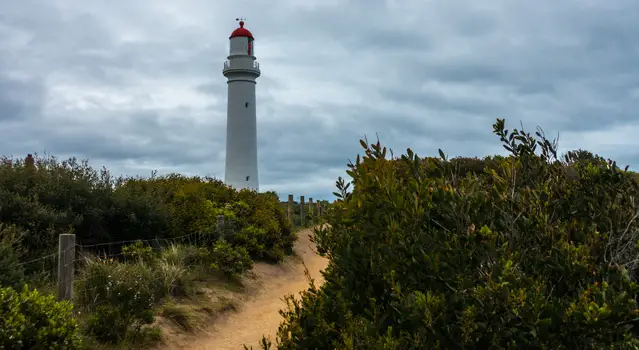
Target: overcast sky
{"type": "Point", "coordinates": [136, 85]}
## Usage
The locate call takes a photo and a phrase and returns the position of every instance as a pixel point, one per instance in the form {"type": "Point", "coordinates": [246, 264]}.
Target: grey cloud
{"type": "Point", "coordinates": [19, 100]}
{"type": "Point", "coordinates": [138, 85]}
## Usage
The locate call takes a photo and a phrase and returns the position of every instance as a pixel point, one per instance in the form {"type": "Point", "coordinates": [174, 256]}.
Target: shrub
{"type": "Point", "coordinates": [11, 270]}
{"type": "Point", "coordinates": [250, 238]}
{"type": "Point", "coordinates": [186, 255]}
{"type": "Point", "coordinates": [48, 197]}
{"type": "Point", "coordinates": [139, 210]}
{"type": "Point", "coordinates": [139, 251]}
{"type": "Point", "coordinates": [118, 296]}
{"type": "Point", "coordinates": [192, 212]}
{"type": "Point", "coordinates": [52, 197]}
{"type": "Point", "coordinates": [532, 252]}
{"type": "Point", "coordinates": [271, 228]}
{"type": "Point", "coordinates": [173, 267]}
{"type": "Point", "coordinates": [30, 320]}
{"type": "Point", "coordinates": [191, 255]}
{"type": "Point", "coordinates": [230, 260]}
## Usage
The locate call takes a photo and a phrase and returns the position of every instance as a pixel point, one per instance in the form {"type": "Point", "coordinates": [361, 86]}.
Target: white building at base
{"type": "Point", "coordinates": [241, 69]}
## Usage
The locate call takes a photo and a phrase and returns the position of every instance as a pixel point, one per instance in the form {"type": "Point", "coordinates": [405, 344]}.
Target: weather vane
{"type": "Point", "coordinates": [240, 19]}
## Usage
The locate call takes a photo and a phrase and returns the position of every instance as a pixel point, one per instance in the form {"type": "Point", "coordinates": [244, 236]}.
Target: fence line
{"type": "Point", "coordinates": [68, 248]}
{"type": "Point", "coordinates": [134, 241]}
{"type": "Point", "coordinates": [307, 212]}
{"type": "Point", "coordinates": [54, 255]}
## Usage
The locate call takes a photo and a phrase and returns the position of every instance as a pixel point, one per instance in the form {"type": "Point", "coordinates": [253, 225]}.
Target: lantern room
{"type": "Point", "coordinates": [242, 42]}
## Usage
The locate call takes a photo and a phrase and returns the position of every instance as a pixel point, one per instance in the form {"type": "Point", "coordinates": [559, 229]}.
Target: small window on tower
{"type": "Point", "coordinates": [246, 104]}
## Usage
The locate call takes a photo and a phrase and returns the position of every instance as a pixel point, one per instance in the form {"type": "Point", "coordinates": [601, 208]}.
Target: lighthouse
{"type": "Point", "coordinates": [241, 70]}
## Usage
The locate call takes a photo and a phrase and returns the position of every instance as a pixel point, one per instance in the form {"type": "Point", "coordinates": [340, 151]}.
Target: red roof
{"type": "Point", "coordinates": [241, 31]}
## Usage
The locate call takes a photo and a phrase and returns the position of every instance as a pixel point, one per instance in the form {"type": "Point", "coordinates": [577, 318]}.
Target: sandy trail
{"type": "Point", "coordinates": [259, 314]}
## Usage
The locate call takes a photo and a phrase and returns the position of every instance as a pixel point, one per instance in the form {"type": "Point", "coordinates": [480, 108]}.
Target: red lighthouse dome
{"type": "Point", "coordinates": [241, 32]}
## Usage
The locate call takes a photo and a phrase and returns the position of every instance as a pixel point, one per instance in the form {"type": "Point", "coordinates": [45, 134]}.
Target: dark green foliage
{"type": "Point", "coordinates": [138, 252]}
{"type": "Point", "coordinates": [11, 270]}
{"type": "Point", "coordinates": [230, 260]}
{"type": "Point", "coordinates": [118, 296]}
{"type": "Point", "coordinates": [519, 252]}
{"type": "Point", "coordinates": [30, 320]}
{"type": "Point", "coordinates": [583, 156]}
{"type": "Point", "coordinates": [264, 213]}
{"type": "Point", "coordinates": [52, 197]}
{"type": "Point", "coordinates": [180, 214]}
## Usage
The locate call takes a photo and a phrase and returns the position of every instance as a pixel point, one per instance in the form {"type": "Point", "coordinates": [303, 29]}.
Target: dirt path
{"type": "Point", "coordinates": [258, 315]}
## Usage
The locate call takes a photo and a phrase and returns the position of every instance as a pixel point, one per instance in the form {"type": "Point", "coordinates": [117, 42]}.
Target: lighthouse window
{"type": "Point", "coordinates": [246, 104]}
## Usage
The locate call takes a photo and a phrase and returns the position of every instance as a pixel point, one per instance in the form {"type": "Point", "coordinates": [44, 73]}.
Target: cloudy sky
{"type": "Point", "coordinates": [136, 85]}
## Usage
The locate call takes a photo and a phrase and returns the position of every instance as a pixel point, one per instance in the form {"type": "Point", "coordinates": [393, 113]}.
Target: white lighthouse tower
{"type": "Point", "coordinates": [241, 69]}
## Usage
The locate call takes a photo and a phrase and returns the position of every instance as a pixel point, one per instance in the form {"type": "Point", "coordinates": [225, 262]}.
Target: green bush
{"type": "Point", "coordinates": [250, 238]}
{"type": "Point", "coordinates": [11, 270]}
{"type": "Point", "coordinates": [30, 320]}
{"type": "Point", "coordinates": [55, 196]}
{"type": "Point", "coordinates": [230, 260]}
{"type": "Point", "coordinates": [527, 251]}
{"type": "Point", "coordinates": [139, 251]}
{"type": "Point", "coordinates": [269, 225]}
{"type": "Point", "coordinates": [119, 297]}
{"type": "Point", "coordinates": [51, 197]}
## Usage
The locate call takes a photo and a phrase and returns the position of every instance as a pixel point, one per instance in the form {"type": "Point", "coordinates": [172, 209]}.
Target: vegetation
{"type": "Point", "coordinates": [230, 260]}
{"type": "Point", "coordinates": [528, 251]}
{"type": "Point", "coordinates": [525, 251]}
{"type": "Point", "coordinates": [30, 320]}
{"type": "Point", "coordinates": [170, 245]}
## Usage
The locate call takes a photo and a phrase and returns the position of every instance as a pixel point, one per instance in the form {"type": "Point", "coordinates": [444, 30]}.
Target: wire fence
{"type": "Point", "coordinates": [156, 243]}
{"type": "Point", "coordinates": [62, 264]}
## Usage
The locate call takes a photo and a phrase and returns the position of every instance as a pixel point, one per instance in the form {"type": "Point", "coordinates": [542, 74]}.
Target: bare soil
{"type": "Point", "coordinates": [256, 310]}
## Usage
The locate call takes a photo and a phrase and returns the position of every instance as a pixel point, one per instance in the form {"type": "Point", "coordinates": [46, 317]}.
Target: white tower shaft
{"type": "Point", "coordinates": [241, 70]}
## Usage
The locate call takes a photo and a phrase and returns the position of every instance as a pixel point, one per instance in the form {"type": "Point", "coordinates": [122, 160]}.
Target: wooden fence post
{"type": "Point", "coordinates": [318, 206]}
{"type": "Point", "coordinates": [290, 209]}
{"type": "Point", "coordinates": [66, 268]}
{"type": "Point", "coordinates": [220, 226]}
{"type": "Point", "coordinates": [302, 221]}
{"type": "Point", "coordinates": [310, 210]}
